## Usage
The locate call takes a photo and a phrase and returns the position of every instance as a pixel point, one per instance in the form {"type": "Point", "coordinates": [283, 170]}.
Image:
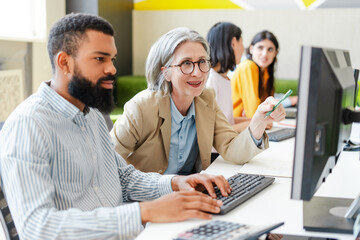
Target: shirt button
{"type": "Point", "coordinates": [94, 157]}
{"type": "Point", "coordinates": [83, 129]}
{"type": "Point", "coordinates": [180, 157]}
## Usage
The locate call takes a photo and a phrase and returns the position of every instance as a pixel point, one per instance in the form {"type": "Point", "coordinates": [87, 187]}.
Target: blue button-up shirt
{"type": "Point", "coordinates": [62, 177]}
{"type": "Point", "coordinates": [184, 148]}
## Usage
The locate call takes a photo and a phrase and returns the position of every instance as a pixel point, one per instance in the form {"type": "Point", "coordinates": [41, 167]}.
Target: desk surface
{"type": "Point", "coordinates": [274, 204]}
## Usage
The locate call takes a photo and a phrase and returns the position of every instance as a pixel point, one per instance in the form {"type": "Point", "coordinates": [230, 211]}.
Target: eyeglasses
{"type": "Point", "coordinates": [187, 67]}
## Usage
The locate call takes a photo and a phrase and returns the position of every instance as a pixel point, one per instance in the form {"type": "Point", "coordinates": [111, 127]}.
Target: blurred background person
{"type": "Point", "coordinates": [253, 80]}
{"type": "Point", "coordinates": [226, 49]}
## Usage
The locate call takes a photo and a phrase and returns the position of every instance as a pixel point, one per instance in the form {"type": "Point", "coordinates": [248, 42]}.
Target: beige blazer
{"type": "Point", "coordinates": [142, 134]}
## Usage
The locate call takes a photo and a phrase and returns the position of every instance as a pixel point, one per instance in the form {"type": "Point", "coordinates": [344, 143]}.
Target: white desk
{"type": "Point", "coordinates": [274, 204]}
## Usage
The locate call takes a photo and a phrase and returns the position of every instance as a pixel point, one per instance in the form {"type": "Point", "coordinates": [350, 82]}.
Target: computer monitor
{"type": "Point", "coordinates": [356, 77]}
{"type": "Point", "coordinates": [326, 89]}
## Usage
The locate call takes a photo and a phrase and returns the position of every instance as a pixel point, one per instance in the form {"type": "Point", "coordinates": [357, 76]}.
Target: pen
{"type": "Point", "coordinates": [280, 101]}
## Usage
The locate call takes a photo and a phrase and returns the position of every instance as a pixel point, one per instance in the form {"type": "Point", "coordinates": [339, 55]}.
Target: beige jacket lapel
{"type": "Point", "coordinates": [205, 121]}
{"type": "Point", "coordinates": [165, 128]}
{"type": "Point", "coordinates": [204, 127]}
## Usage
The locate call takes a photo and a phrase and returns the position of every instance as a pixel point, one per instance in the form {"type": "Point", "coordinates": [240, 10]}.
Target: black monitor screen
{"type": "Point", "coordinates": [357, 94]}
{"type": "Point", "coordinates": [326, 87]}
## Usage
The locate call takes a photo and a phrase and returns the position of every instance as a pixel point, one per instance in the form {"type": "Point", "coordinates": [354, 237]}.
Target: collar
{"type": "Point", "coordinates": [177, 116]}
{"type": "Point", "coordinates": [218, 75]}
{"type": "Point", "coordinates": [58, 103]}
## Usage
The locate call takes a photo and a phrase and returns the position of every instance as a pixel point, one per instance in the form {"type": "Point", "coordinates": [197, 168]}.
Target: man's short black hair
{"type": "Point", "coordinates": [70, 31]}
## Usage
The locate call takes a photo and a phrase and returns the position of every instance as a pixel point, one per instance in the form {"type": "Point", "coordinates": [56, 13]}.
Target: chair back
{"type": "Point", "coordinates": [6, 220]}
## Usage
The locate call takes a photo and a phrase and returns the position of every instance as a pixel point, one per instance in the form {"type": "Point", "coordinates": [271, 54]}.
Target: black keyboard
{"type": "Point", "coordinates": [244, 186]}
{"type": "Point", "coordinates": [291, 112]}
{"type": "Point", "coordinates": [281, 134]}
{"type": "Point", "coordinates": [216, 229]}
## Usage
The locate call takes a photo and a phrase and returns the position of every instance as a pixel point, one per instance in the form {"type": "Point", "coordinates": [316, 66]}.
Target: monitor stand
{"type": "Point", "coordinates": [324, 214]}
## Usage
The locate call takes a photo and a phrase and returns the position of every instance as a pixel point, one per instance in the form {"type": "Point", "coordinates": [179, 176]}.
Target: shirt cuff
{"type": "Point", "coordinates": [259, 143]}
{"type": "Point", "coordinates": [129, 219]}
{"type": "Point", "coordinates": [165, 184]}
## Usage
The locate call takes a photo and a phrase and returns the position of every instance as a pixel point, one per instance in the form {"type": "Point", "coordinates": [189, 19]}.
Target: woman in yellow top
{"type": "Point", "coordinates": [253, 80]}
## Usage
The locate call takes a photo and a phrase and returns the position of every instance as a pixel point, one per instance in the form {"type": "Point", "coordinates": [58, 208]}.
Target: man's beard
{"type": "Point", "coordinates": [91, 95]}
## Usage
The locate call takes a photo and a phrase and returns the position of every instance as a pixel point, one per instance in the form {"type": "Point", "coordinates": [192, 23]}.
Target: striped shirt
{"type": "Point", "coordinates": [62, 177]}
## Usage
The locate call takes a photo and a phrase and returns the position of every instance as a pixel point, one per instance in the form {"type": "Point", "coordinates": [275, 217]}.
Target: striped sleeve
{"type": "Point", "coordinates": [30, 192]}
{"type": "Point", "coordinates": [140, 186]}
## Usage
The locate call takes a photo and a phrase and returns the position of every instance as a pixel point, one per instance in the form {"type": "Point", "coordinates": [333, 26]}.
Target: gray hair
{"type": "Point", "coordinates": [161, 54]}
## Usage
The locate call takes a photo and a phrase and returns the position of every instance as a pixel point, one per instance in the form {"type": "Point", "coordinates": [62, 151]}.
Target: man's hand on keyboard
{"type": "Point", "coordinates": [179, 206]}
{"type": "Point", "coordinates": [201, 182]}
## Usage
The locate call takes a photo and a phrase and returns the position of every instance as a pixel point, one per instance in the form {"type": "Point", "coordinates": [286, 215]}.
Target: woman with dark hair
{"type": "Point", "coordinates": [226, 49]}
{"type": "Point", "coordinates": [253, 80]}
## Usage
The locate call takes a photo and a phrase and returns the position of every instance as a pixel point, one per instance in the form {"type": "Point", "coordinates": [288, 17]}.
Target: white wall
{"type": "Point", "coordinates": [335, 28]}
{"type": "Point", "coordinates": [41, 67]}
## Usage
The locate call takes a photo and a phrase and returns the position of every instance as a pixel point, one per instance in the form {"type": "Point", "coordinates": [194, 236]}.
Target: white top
{"type": "Point", "coordinates": [222, 89]}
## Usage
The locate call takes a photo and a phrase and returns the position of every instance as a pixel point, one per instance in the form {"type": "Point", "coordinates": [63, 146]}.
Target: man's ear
{"type": "Point", "coordinates": [63, 62]}
{"type": "Point", "coordinates": [165, 72]}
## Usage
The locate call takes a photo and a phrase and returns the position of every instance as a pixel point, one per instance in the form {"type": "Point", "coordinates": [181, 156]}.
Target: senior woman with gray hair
{"type": "Point", "coordinates": [171, 127]}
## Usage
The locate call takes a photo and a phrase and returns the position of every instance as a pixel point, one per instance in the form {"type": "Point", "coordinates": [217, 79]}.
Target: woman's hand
{"type": "Point", "coordinates": [259, 122]}
{"type": "Point", "coordinates": [201, 182]}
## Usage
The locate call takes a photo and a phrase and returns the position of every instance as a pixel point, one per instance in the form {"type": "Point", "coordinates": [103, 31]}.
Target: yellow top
{"type": "Point", "coordinates": [244, 88]}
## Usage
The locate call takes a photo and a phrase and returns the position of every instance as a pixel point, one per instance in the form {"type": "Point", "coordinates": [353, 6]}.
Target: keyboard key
{"type": "Point", "coordinates": [244, 186]}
